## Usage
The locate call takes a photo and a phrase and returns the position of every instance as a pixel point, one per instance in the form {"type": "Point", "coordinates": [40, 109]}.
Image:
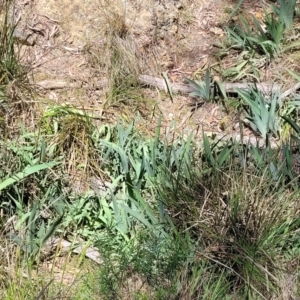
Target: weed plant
{"type": "Point", "coordinates": [259, 41]}
{"type": "Point", "coordinates": [33, 199]}
{"type": "Point", "coordinates": [285, 12]}
{"type": "Point", "coordinates": [261, 113]}
{"type": "Point", "coordinates": [150, 260]}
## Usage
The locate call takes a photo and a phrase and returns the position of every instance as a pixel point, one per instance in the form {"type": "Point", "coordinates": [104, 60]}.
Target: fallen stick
{"type": "Point", "coordinates": [290, 91]}
{"type": "Point", "coordinates": [160, 83]}
{"type": "Point", "coordinates": [62, 84]}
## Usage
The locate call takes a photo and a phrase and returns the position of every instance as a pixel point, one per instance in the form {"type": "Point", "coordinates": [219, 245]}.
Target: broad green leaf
{"type": "Point", "coordinates": [222, 89]}
{"type": "Point", "coordinates": [241, 66]}
{"type": "Point", "coordinates": [41, 231]}
{"type": "Point", "coordinates": [294, 103]}
{"type": "Point", "coordinates": [123, 135]}
{"type": "Point", "coordinates": [233, 13]}
{"type": "Point", "coordinates": [144, 206]}
{"type": "Point", "coordinates": [254, 106]}
{"type": "Point", "coordinates": [194, 83]}
{"type": "Point", "coordinates": [107, 212]}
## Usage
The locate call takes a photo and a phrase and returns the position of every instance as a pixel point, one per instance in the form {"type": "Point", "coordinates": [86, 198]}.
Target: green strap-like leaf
{"type": "Point", "coordinates": [120, 151]}
{"type": "Point", "coordinates": [293, 124]}
{"type": "Point", "coordinates": [168, 84]}
{"type": "Point", "coordinates": [50, 231]}
{"type": "Point", "coordinates": [27, 171]}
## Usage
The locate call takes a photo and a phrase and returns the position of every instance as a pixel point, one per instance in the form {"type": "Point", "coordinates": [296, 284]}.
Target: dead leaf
{"type": "Point", "coordinates": [217, 31]}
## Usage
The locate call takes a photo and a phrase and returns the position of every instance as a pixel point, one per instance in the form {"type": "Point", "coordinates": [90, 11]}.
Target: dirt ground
{"type": "Point", "coordinates": [69, 42]}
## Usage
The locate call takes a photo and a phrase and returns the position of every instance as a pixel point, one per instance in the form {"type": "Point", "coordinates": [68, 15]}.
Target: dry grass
{"type": "Point", "coordinates": [239, 218]}
{"type": "Point", "coordinates": [121, 58]}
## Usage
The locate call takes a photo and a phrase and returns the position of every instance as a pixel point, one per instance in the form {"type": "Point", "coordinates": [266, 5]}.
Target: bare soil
{"type": "Point", "coordinates": [71, 46]}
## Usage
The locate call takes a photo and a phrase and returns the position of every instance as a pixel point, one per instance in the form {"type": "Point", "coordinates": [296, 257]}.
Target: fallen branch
{"type": "Point", "coordinates": [265, 88]}
{"type": "Point", "coordinates": [290, 91]}
{"type": "Point", "coordinates": [160, 83]}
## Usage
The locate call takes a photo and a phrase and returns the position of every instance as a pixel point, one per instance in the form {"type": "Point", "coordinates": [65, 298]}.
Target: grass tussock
{"type": "Point", "coordinates": [15, 91]}
{"type": "Point", "coordinates": [122, 56]}
{"type": "Point", "coordinates": [119, 58]}
{"type": "Point", "coordinates": [246, 224]}
{"type": "Point", "coordinates": [71, 133]}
